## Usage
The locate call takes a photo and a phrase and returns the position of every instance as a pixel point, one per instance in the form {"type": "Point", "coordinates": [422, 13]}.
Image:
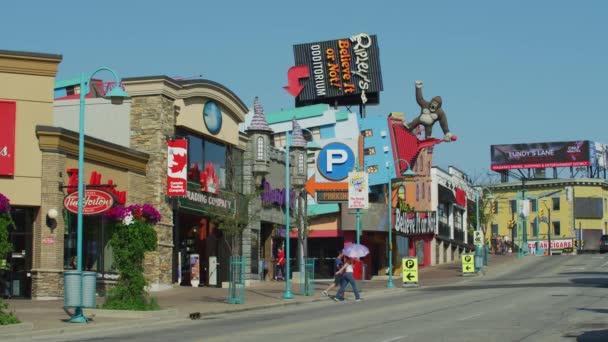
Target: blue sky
{"type": "Point", "coordinates": [508, 71]}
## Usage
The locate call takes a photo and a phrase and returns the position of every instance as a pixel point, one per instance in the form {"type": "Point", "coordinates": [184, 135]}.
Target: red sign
{"type": "Point", "coordinates": [94, 202]}
{"type": "Point", "coordinates": [177, 159]}
{"type": "Point", "coordinates": [95, 181]}
{"type": "Point", "coordinates": [7, 138]}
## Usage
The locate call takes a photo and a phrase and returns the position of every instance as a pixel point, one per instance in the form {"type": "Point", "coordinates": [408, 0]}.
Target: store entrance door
{"type": "Point", "coordinates": [16, 275]}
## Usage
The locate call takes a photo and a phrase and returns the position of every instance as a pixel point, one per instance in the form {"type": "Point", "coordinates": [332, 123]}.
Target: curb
{"type": "Point", "coordinates": [15, 328]}
{"type": "Point", "coordinates": [132, 314]}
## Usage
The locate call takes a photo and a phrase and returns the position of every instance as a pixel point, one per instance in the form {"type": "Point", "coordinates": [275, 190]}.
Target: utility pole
{"type": "Point", "coordinates": [549, 228]}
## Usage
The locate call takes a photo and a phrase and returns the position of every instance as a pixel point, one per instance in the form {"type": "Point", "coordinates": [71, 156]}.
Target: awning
{"type": "Point", "coordinates": [320, 209]}
{"type": "Point", "coordinates": [446, 195]}
{"type": "Point", "coordinates": [319, 233]}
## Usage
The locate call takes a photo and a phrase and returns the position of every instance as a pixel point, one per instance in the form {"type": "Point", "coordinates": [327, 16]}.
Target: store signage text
{"type": "Point", "coordinates": [95, 181]}
{"type": "Point", "coordinates": [199, 201]}
{"type": "Point", "coordinates": [276, 196]}
{"type": "Point", "coordinates": [94, 202]}
{"type": "Point", "coordinates": [415, 223]}
{"type": "Point", "coordinates": [555, 244]}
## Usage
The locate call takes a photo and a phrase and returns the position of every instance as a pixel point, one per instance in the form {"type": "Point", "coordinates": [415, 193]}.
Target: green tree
{"type": "Point", "coordinates": [5, 247]}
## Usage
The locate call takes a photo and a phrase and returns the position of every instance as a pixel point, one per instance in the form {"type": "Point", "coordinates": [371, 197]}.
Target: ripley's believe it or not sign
{"type": "Point", "coordinates": [341, 72]}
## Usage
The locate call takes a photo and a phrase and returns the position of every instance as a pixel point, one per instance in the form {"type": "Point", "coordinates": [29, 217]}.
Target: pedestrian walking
{"type": "Point", "coordinates": [280, 264]}
{"type": "Point", "coordinates": [347, 271]}
{"type": "Point", "coordinates": [338, 277]}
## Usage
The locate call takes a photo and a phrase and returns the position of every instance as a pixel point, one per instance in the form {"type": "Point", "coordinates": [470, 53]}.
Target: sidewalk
{"type": "Point", "coordinates": [47, 317]}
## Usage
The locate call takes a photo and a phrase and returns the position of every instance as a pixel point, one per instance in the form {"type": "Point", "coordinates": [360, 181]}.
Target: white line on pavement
{"type": "Point", "coordinates": [469, 317]}
{"type": "Point", "coordinates": [604, 264]}
{"type": "Point", "coordinates": [597, 257]}
{"type": "Point", "coordinates": [394, 339]}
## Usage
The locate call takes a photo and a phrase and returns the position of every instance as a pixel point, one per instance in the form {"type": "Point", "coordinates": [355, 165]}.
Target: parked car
{"type": "Point", "coordinates": [604, 244]}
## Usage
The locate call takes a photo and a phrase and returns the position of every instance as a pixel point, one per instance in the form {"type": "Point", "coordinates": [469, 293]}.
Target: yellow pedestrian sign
{"type": "Point", "coordinates": [468, 264]}
{"type": "Point", "coordinates": [410, 271]}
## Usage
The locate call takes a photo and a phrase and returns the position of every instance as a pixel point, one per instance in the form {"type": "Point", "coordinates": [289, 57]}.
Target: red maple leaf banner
{"type": "Point", "coordinates": [177, 159]}
{"type": "Point", "coordinates": [179, 162]}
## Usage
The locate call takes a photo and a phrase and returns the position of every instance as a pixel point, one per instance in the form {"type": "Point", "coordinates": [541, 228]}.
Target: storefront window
{"type": "Point", "coordinates": [200, 153]}
{"type": "Point", "coordinates": [195, 157]}
{"type": "Point", "coordinates": [443, 213]}
{"type": "Point", "coordinates": [458, 219]}
{"type": "Point", "coordinates": [97, 253]}
{"type": "Point", "coordinates": [216, 154]}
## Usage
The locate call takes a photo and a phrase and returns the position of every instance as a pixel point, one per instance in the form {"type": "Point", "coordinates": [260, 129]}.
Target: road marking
{"type": "Point", "coordinates": [394, 339]}
{"type": "Point", "coordinates": [469, 317]}
{"type": "Point", "coordinates": [597, 257]}
{"type": "Point", "coordinates": [604, 264]}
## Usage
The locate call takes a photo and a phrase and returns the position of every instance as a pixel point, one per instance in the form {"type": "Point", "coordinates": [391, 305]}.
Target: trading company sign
{"type": "Point", "coordinates": [342, 72]}
{"type": "Point", "coordinates": [540, 155]}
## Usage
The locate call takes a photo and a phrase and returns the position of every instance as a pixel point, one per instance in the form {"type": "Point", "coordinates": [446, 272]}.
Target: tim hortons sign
{"type": "Point", "coordinates": [94, 202]}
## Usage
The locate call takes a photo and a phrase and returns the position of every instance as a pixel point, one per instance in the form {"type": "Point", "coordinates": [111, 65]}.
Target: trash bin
{"type": "Point", "coordinates": [71, 285]}
{"type": "Point", "coordinates": [89, 289]}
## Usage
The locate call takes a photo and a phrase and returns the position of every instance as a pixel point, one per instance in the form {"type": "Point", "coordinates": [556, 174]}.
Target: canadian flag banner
{"type": "Point", "coordinates": [177, 159]}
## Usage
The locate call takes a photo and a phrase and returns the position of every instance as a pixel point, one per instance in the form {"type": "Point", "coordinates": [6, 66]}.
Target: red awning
{"type": "Point", "coordinates": [319, 234]}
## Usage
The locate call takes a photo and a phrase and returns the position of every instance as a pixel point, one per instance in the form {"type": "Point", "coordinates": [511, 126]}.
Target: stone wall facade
{"type": "Point", "coordinates": [152, 121]}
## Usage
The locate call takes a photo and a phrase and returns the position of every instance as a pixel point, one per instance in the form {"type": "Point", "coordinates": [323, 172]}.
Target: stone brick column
{"type": "Point", "coordinates": [152, 120]}
{"type": "Point", "coordinates": [48, 243]}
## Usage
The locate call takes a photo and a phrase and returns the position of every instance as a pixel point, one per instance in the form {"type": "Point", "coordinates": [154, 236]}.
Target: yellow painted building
{"type": "Point", "coordinates": [572, 207]}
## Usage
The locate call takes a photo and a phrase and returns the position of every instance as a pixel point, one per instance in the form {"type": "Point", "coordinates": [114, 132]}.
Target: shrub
{"type": "Point", "coordinates": [133, 236]}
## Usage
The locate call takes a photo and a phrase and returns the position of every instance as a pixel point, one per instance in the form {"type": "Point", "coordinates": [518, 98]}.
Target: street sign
{"type": "Point", "coordinates": [410, 270]}
{"type": "Point", "coordinates": [478, 238]}
{"type": "Point", "coordinates": [313, 186]}
{"type": "Point", "coordinates": [330, 196]}
{"type": "Point", "coordinates": [358, 190]}
{"type": "Point", "coordinates": [468, 264]}
{"type": "Point", "coordinates": [335, 161]}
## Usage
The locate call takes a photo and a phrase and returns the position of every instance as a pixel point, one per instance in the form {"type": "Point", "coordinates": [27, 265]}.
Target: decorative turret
{"type": "Point", "coordinates": [260, 134]}
{"type": "Point", "coordinates": [297, 155]}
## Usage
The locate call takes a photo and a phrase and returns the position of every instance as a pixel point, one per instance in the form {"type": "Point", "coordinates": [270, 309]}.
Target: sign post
{"type": "Point", "coordinates": [478, 238]}
{"type": "Point", "coordinates": [410, 272]}
{"type": "Point", "coordinates": [468, 265]}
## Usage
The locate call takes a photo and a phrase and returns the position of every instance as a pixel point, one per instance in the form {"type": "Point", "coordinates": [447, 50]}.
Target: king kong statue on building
{"type": "Point", "coordinates": [430, 112]}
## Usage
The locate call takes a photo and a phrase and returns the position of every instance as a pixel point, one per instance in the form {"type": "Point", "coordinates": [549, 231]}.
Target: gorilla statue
{"type": "Point", "coordinates": [429, 114]}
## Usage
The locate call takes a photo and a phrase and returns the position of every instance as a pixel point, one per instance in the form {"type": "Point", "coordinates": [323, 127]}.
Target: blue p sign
{"type": "Point", "coordinates": [335, 161]}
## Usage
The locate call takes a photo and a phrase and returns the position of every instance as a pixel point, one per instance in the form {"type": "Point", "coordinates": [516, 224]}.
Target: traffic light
{"type": "Point", "coordinates": [510, 224]}
{"type": "Point", "coordinates": [575, 243]}
{"type": "Point", "coordinates": [542, 212]}
{"type": "Point", "coordinates": [494, 207]}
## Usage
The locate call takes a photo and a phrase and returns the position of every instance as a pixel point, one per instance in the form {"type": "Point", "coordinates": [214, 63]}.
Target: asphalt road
{"type": "Point", "coordinates": [559, 298]}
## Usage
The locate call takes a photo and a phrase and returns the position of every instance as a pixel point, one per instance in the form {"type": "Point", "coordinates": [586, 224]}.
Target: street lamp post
{"type": "Point", "coordinates": [311, 146]}
{"type": "Point", "coordinates": [480, 260]}
{"type": "Point", "coordinates": [406, 173]}
{"type": "Point", "coordinates": [287, 294]}
{"type": "Point", "coordinates": [116, 94]}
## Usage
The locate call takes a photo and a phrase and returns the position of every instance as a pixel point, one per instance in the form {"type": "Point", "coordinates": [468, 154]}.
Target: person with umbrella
{"type": "Point", "coordinates": [350, 252]}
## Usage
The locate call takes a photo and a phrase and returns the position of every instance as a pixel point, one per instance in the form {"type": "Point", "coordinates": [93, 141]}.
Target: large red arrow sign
{"type": "Point", "coordinates": [293, 79]}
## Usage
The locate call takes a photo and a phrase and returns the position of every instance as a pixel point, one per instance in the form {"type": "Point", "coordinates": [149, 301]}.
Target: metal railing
{"type": "Point", "coordinates": [236, 288]}
{"type": "Point", "coordinates": [307, 278]}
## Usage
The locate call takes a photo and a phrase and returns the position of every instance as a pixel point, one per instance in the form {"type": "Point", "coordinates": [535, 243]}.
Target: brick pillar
{"type": "Point", "coordinates": [152, 119]}
{"type": "Point", "coordinates": [48, 243]}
